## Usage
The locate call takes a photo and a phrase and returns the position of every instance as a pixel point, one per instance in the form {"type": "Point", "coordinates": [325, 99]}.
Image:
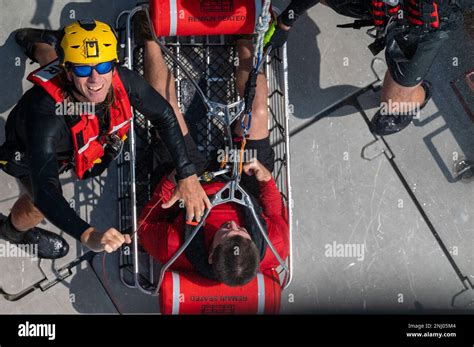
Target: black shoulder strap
{"type": "Point", "coordinates": [252, 227]}
{"type": "Point", "coordinates": [198, 255]}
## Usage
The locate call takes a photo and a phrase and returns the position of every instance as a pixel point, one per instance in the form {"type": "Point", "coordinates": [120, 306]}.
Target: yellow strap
{"type": "Point", "coordinates": [241, 165]}
{"type": "Point", "coordinates": [124, 137]}
{"type": "Point", "coordinates": [224, 162]}
{"type": "Point", "coordinates": [2, 162]}
{"type": "Point", "coordinates": [97, 161]}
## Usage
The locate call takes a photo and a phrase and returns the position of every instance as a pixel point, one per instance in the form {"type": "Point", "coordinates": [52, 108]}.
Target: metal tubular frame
{"type": "Point", "coordinates": [225, 115]}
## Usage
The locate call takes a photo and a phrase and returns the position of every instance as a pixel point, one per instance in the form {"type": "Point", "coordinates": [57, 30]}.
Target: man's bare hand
{"type": "Point", "coordinates": [109, 241]}
{"type": "Point", "coordinates": [194, 197]}
{"type": "Point", "coordinates": [256, 168]}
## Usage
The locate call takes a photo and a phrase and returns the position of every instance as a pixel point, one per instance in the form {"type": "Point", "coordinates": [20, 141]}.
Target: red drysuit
{"type": "Point", "coordinates": [161, 235]}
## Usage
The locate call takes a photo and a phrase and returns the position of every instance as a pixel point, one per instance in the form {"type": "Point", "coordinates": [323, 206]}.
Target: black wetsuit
{"type": "Point", "coordinates": [46, 140]}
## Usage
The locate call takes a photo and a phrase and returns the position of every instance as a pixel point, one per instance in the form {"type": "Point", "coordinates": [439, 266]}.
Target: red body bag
{"type": "Point", "coordinates": [204, 17]}
{"type": "Point", "coordinates": [189, 293]}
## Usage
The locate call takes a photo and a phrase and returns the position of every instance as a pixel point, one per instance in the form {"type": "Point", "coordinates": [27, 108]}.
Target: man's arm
{"type": "Point", "coordinates": [274, 209]}
{"type": "Point", "coordinates": [155, 107]}
{"type": "Point", "coordinates": [270, 198]}
{"type": "Point", "coordinates": [278, 228]}
{"type": "Point", "coordinates": [43, 132]}
{"type": "Point", "coordinates": [153, 211]}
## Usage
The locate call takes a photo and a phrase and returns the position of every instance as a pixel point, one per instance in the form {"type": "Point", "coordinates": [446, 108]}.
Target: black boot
{"type": "Point", "coordinates": [388, 124]}
{"type": "Point", "coordinates": [27, 37]}
{"type": "Point", "coordinates": [49, 245]}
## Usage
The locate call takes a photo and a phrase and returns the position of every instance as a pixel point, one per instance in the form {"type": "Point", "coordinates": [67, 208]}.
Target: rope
{"type": "Point", "coordinates": [144, 219]}
{"type": "Point", "coordinates": [261, 28]}
{"type": "Point", "coordinates": [104, 271]}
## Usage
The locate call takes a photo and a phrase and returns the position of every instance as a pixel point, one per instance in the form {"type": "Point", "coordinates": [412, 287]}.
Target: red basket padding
{"type": "Point", "coordinates": [189, 293]}
{"type": "Point", "coordinates": [203, 17]}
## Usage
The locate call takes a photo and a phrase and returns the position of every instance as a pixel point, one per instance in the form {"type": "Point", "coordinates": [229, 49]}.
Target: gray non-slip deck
{"type": "Point", "coordinates": [80, 293]}
{"type": "Point", "coordinates": [347, 200]}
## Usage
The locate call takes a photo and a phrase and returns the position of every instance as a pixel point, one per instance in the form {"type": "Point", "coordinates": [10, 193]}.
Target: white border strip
{"type": "Point", "coordinates": [173, 18]}
{"type": "Point", "coordinates": [176, 285]}
{"type": "Point", "coordinates": [261, 293]}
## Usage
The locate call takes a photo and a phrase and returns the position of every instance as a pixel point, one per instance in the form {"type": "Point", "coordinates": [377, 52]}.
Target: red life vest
{"type": "Point", "coordinates": [85, 130]}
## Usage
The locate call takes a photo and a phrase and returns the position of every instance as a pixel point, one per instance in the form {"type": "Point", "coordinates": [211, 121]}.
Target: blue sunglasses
{"type": "Point", "coordinates": [86, 70]}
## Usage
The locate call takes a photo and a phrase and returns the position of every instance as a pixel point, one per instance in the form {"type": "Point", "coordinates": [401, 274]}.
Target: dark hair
{"type": "Point", "coordinates": [235, 261]}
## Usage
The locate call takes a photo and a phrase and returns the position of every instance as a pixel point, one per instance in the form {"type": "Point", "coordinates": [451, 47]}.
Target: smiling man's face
{"type": "Point", "coordinates": [93, 88]}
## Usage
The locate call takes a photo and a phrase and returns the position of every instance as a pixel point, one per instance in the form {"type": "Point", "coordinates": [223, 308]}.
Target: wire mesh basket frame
{"type": "Point", "coordinates": [277, 76]}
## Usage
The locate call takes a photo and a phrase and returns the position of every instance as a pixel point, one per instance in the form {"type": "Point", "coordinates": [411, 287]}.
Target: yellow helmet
{"type": "Point", "coordinates": [88, 41]}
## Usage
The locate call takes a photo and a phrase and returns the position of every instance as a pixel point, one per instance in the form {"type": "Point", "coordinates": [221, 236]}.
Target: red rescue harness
{"type": "Point", "coordinates": [382, 12]}
{"type": "Point", "coordinates": [85, 128]}
{"type": "Point", "coordinates": [419, 12]}
{"type": "Point", "coordinates": [423, 13]}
